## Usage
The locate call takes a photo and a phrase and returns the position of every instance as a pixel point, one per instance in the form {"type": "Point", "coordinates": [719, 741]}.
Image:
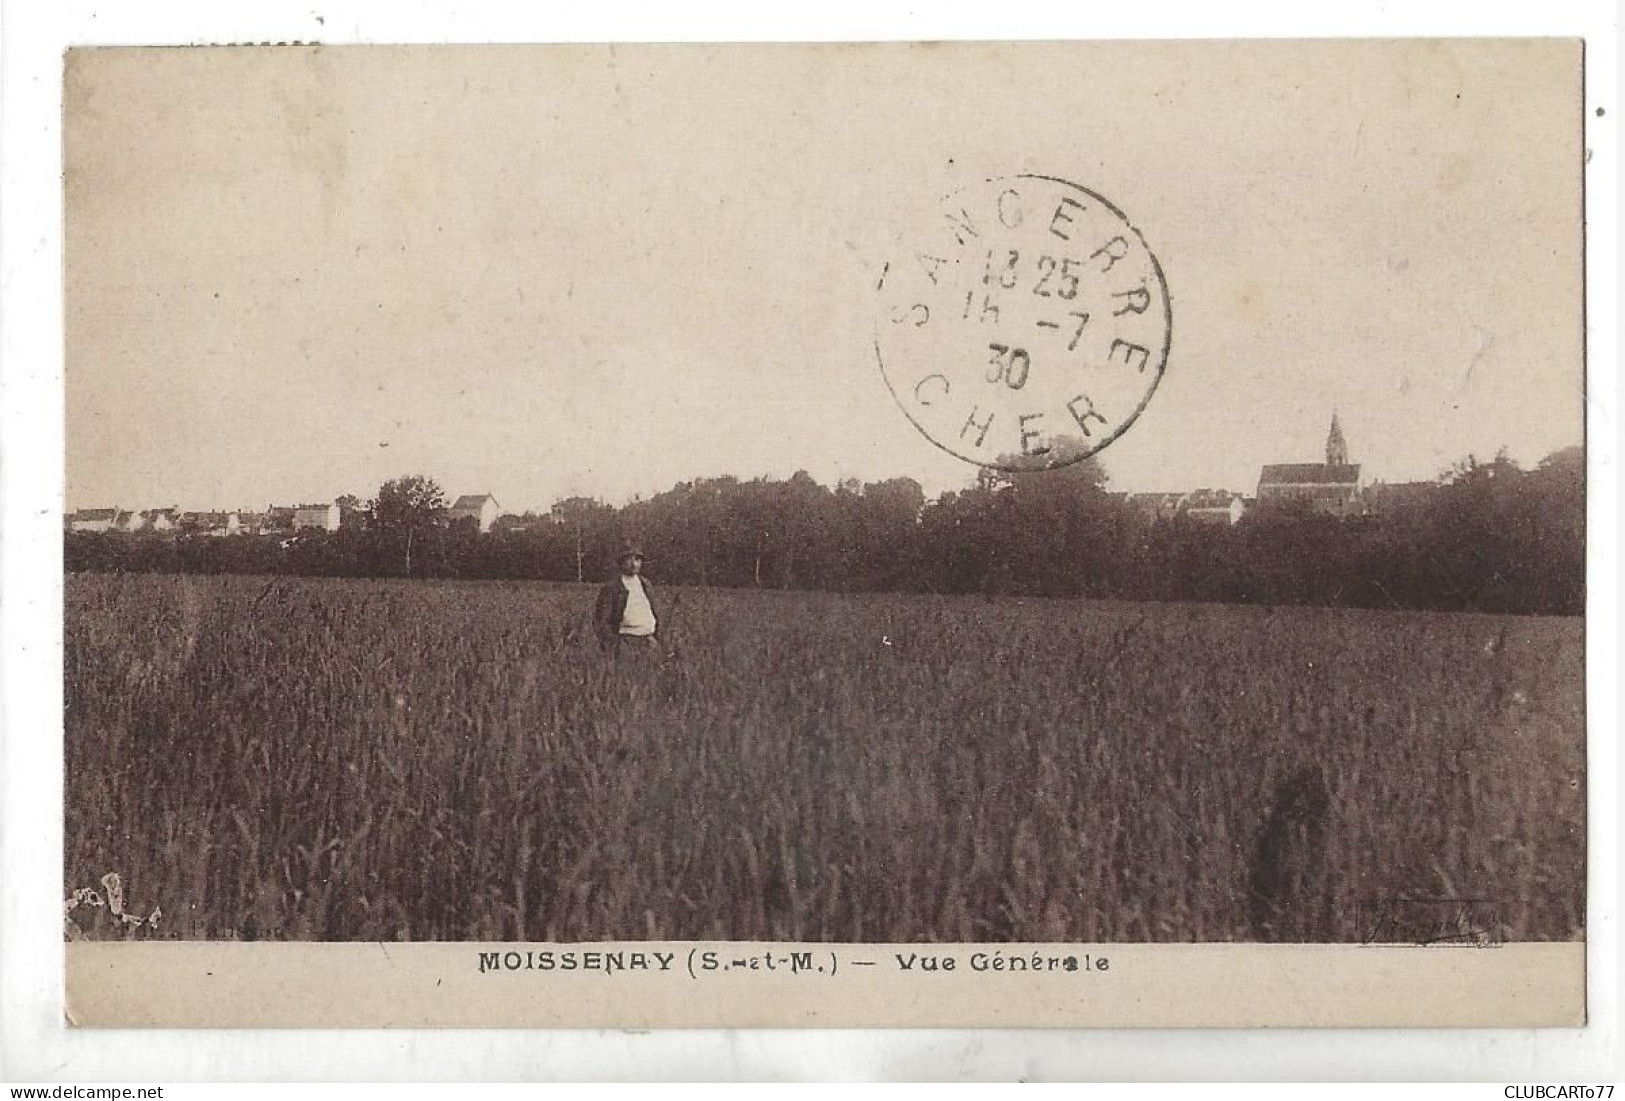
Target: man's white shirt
{"type": "Point", "coordinates": [639, 617]}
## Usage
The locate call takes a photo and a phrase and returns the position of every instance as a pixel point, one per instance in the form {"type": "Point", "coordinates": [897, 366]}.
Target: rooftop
{"type": "Point", "coordinates": [1309, 474]}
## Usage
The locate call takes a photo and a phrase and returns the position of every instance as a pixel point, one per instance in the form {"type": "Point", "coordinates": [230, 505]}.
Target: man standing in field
{"type": "Point", "coordinates": [625, 612]}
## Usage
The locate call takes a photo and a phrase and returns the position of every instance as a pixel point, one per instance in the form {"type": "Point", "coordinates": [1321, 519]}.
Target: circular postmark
{"type": "Point", "coordinates": [1024, 324]}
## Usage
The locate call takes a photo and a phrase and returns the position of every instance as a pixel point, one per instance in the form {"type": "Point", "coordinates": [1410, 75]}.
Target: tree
{"type": "Point", "coordinates": [870, 534]}
{"type": "Point", "coordinates": [1055, 531]}
{"type": "Point", "coordinates": [587, 523]}
{"type": "Point", "coordinates": [799, 511]}
{"type": "Point", "coordinates": [408, 509]}
{"type": "Point", "coordinates": [352, 512]}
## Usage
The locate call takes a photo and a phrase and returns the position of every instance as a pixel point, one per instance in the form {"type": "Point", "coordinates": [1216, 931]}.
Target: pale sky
{"type": "Point", "coordinates": [540, 272]}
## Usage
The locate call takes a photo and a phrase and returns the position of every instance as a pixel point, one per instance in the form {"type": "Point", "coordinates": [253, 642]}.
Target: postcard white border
{"type": "Point", "coordinates": [35, 1043]}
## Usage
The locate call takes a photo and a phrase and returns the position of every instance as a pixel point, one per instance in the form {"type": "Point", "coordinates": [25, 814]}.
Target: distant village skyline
{"type": "Point", "coordinates": [1335, 483]}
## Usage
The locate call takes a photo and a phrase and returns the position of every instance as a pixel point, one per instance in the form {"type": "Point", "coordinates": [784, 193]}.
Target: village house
{"type": "Point", "coordinates": [320, 517]}
{"type": "Point", "coordinates": [1213, 506]}
{"type": "Point", "coordinates": [96, 519]}
{"type": "Point", "coordinates": [156, 520]}
{"type": "Point", "coordinates": [216, 524]}
{"type": "Point", "coordinates": [1332, 487]}
{"type": "Point", "coordinates": [1202, 506]}
{"type": "Point", "coordinates": [1155, 506]}
{"type": "Point", "coordinates": [160, 519]}
{"type": "Point", "coordinates": [482, 508]}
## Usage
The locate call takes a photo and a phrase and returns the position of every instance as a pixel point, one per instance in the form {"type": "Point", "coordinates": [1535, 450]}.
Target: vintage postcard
{"type": "Point", "coordinates": [975, 534]}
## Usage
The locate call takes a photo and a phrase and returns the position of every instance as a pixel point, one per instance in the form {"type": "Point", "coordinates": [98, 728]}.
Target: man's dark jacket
{"type": "Point", "coordinates": [611, 608]}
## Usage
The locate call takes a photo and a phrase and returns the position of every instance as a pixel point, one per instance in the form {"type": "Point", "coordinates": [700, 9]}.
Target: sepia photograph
{"type": "Point", "coordinates": [906, 507]}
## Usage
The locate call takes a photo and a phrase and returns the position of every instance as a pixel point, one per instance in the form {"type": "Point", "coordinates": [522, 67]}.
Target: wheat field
{"type": "Point", "coordinates": [339, 759]}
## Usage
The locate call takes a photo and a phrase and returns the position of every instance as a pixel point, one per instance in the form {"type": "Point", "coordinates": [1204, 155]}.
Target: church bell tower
{"type": "Point", "coordinates": [1337, 452]}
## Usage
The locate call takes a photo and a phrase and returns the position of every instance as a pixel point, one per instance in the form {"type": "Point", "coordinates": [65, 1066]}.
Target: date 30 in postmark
{"type": "Point", "coordinates": [1024, 324]}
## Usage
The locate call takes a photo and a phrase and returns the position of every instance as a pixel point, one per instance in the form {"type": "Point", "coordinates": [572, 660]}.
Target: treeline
{"type": "Point", "coordinates": [1488, 537]}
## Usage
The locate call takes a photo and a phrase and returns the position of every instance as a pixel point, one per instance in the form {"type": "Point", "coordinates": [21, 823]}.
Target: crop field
{"type": "Point", "coordinates": [382, 760]}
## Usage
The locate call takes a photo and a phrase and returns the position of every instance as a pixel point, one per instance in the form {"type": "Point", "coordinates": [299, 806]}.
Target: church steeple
{"type": "Point", "coordinates": [1337, 452]}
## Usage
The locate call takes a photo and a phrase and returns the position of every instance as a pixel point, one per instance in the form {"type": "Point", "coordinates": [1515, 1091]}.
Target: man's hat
{"type": "Point", "coordinates": [631, 550]}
